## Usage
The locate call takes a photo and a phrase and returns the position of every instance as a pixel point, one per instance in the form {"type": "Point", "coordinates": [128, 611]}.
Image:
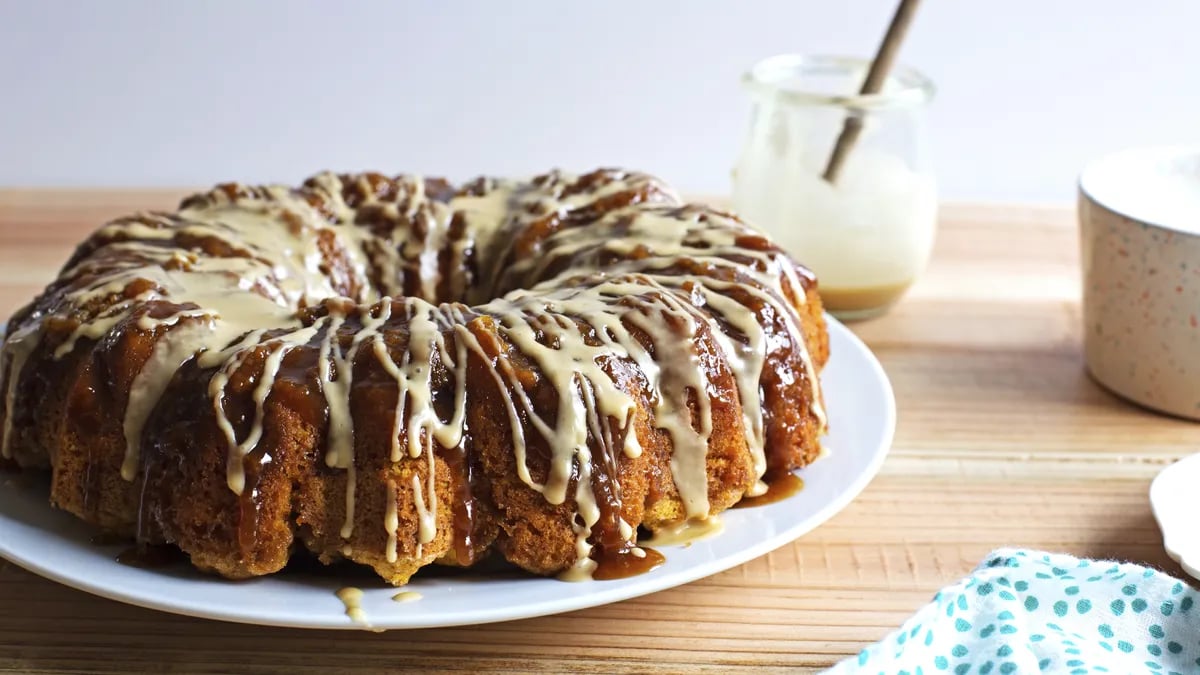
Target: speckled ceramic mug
{"type": "Point", "coordinates": [1139, 216]}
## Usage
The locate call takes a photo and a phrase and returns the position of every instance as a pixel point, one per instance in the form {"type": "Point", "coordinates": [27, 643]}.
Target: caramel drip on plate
{"type": "Point", "coordinates": [572, 273]}
{"type": "Point", "coordinates": [627, 562]}
{"type": "Point", "coordinates": [778, 490]}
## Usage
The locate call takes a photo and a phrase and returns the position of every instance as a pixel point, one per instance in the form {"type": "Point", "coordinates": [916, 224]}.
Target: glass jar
{"type": "Point", "coordinates": [868, 232]}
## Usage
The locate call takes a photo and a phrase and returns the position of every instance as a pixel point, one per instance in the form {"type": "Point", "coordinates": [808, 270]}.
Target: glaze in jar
{"type": "Point", "coordinates": [869, 233]}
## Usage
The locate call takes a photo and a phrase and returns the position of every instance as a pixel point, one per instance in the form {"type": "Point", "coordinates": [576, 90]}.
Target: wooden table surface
{"type": "Point", "coordinates": [1002, 441]}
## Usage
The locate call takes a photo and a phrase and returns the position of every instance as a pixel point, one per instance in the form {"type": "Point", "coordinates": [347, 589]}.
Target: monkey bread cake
{"type": "Point", "coordinates": [399, 371]}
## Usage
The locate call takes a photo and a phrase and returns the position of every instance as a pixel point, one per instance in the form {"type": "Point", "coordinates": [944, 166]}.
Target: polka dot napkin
{"type": "Point", "coordinates": [1029, 612]}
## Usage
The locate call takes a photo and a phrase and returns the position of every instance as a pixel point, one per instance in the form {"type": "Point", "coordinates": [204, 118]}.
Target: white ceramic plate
{"type": "Point", "coordinates": [1173, 500]}
{"type": "Point", "coordinates": [862, 418]}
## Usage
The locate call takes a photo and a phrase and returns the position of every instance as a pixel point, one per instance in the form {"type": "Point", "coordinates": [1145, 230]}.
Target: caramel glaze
{"type": "Point", "coordinates": [778, 489]}
{"type": "Point", "coordinates": [271, 367]}
{"type": "Point", "coordinates": [624, 563]}
{"type": "Point", "coordinates": [469, 542]}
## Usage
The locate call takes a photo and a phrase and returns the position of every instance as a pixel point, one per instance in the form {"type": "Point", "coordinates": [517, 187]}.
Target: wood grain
{"type": "Point", "coordinates": [1002, 441]}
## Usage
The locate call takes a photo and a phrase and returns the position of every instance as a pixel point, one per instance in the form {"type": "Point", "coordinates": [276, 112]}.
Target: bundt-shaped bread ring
{"type": "Point", "coordinates": [398, 372]}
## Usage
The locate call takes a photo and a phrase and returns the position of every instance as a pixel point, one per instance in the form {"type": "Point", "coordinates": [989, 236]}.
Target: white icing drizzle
{"type": "Point", "coordinates": [238, 268]}
{"type": "Point", "coordinates": [351, 598]}
{"type": "Point", "coordinates": [339, 439]}
{"type": "Point", "coordinates": [278, 349]}
{"type": "Point", "coordinates": [414, 380]}
{"type": "Point", "coordinates": [426, 503]}
{"type": "Point", "coordinates": [391, 520]}
{"type": "Point", "coordinates": [681, 373]}
{"type": "Point", "coordinates": [170, 353]}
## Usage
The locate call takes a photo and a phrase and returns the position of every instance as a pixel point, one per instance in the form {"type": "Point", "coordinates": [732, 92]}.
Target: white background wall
{"type": "Point", "coordinates": [128, 92]}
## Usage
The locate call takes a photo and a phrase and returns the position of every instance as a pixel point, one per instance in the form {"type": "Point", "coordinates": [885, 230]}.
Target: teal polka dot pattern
{"type": "Point", "coordinates": [1031, 612]}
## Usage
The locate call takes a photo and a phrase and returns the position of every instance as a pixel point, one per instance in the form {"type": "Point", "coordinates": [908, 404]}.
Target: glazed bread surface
{"type": "Point", "coordinates": [397, 371]}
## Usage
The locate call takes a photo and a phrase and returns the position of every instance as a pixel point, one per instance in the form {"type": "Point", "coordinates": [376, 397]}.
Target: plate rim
{"type": "Point", "coordinates": [634, 587]}
{"type": "Point", "coordinates": [1162, 506]}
